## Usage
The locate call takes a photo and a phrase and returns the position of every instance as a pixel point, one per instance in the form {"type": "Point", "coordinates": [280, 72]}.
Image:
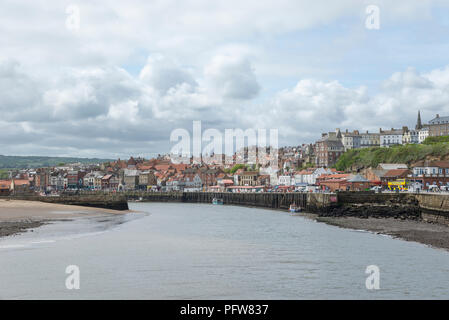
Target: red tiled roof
{"type": "Point", "coordinates": [396, 173]}
{"type": "Point", "coordinates": [162, 167]}
{"type": "Point", "coordinates": [21, 182]}
{"type": "Point", "coordinates": [5, 184]}
{"type": "Point", "coordinates": [335, 176]}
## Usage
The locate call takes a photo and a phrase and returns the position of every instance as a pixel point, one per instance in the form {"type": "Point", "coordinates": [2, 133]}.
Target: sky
{"type": "Point", "coordinates": [115, 78]}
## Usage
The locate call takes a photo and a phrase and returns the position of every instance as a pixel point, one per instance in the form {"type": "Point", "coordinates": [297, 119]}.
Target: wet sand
{"type": "Point", "coordinates": [18, 216]}
{"type": "Point", "coordinates": [432, 234]}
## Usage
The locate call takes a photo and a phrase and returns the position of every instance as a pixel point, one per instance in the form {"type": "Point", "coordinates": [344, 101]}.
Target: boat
{"type": "Point", "coordinates": [294, 208]}
{"type": "Point", "coordinates": [217, 201]}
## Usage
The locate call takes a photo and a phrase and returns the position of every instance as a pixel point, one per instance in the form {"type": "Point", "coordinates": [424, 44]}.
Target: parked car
{"type": "Point", "coordinates": [376, 189]}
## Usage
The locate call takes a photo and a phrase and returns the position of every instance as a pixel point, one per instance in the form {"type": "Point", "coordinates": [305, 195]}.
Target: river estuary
{"type": "Point", "coordinates": [199, 251]}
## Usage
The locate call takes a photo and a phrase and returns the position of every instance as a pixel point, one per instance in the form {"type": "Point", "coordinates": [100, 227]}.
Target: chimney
{"type": "Point", "coordinates": [438, 115]}
{"type": "Point", "coordinates": [366, 131]}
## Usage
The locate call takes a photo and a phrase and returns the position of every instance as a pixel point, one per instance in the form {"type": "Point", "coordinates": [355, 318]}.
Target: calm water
{"type": "Point", "coordinates": [198, 251]}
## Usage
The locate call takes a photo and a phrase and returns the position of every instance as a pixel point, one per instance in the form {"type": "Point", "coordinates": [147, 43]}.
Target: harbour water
{"type": "Point", "coordinates": [200, 251]}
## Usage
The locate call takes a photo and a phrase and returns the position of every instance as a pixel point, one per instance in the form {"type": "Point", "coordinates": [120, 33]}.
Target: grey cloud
{"type": "Point", "coordinates": [233, 77]}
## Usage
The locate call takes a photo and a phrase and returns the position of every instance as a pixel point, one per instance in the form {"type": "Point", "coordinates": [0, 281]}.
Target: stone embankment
{"type": "Point", "coordinates": [312, 202]}
{"type": "Point", "coordinates": [375, 205]}
{"type": "Point", "coordinates": [426, 206]}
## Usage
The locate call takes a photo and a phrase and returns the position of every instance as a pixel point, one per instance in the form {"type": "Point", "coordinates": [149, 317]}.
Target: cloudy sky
{"type": "Point", "coordinates": [119, 79]}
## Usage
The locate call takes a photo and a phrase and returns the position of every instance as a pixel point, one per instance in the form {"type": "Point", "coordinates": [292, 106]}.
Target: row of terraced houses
{"type": "Point", "coordinates": [333, 144]}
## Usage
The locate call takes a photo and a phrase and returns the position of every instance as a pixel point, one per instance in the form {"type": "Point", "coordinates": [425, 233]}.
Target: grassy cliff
{"type": "Point", "coordinates": [409, 153]}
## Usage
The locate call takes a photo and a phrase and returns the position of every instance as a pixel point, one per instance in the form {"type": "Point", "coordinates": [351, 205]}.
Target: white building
{"type": "Point", "coordinates": [390, 137]}
{"type": "Point", "coordinates": [431, 168]}
{"type": "Point", "coordinates": [423, 134]}
{"type": "Point", "coordinates": [310, 176]}
{"type": "Point", "coordinates": [410, 136]}
{"type": "Point", "coordinates": [350, 140]}
{"type": "Point", "coordinates": [285, 181]}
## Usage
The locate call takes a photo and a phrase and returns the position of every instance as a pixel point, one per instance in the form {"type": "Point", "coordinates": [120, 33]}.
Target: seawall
{"type": "Point", "coordinates": [434, 208]}
{"type": "Point", "coordinates": [427, 207]}
{"type": "Point", "coordinates": [312, 202]}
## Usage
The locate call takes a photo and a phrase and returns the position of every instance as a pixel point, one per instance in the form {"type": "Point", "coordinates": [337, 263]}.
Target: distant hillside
{"type": "Point", "coordinates": [364, 158]}
{"type": "Point", "coordinates": [23, 162]}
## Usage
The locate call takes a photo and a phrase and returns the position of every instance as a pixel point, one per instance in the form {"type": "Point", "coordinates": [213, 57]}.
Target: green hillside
{"type": "Point", "coordinates": [23, 162]}
{"type": "Point", "coordinates": [409, 153]}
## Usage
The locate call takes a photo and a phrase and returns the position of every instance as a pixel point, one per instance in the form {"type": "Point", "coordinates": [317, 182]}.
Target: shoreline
{"type": "Point", "coordinates": [20, 216]}
{"type": "Point", "coordinates": [431, 234]}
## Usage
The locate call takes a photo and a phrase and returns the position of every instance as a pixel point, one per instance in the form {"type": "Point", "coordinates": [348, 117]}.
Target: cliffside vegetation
{"type": "Point", "coordinates": [370, 157]}
{"type": "Point", "coordinates": [22, 162]}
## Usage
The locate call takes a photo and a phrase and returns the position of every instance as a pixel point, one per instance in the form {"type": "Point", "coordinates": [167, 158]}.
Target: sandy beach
{"type": "Point", "coordinates": [17, 215]}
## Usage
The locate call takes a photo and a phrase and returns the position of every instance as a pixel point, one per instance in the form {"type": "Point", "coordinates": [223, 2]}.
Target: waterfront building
{"type": "Point", "coordinates": [146, 179]}
{"type": "Point", "coordinates": [431, 173]}
{"type": "Point", "coordinates": [248, 178]}
{"type": "Point", "coordinates": [193, 180]}
{"type": "Point", "coordinates": [431, 168]}
{"type": "Point", "coordinates": [75, 179]}
{"type": "Point", "coordinates": [5, 187]}
{"type": "Point", "coordinates": [285, 180]}
{"type": "Point", "coordinates": [109, 182]}
{"type": "Point", "coordinates": [394, 175]}
{"type": "Point", "coordinates": [309, 176]}
{"type": "Point", "coordinates": [131, 179]}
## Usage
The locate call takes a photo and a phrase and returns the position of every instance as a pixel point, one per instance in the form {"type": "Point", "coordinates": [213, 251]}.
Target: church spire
{"type": "Point", "coordinates": [418, 123]}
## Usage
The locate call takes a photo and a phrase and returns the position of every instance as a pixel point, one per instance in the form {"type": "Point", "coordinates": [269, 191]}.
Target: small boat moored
{"type": "Point", "coordinates": [294, 208]}
{"type": "Point", "coordinates": [217, 201]}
